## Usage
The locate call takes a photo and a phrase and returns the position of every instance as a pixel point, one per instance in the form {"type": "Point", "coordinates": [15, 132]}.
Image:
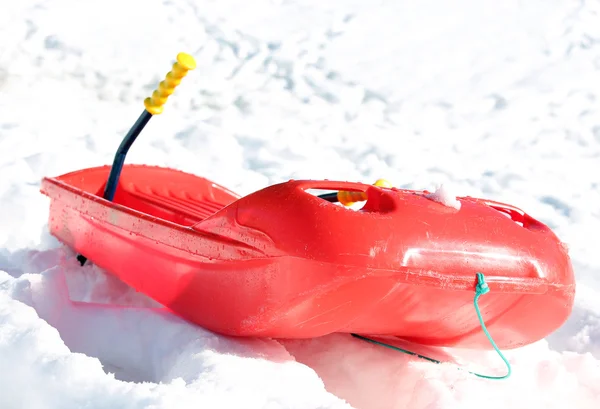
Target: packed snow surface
{"type": "Point", "coordinates": [493, 99]}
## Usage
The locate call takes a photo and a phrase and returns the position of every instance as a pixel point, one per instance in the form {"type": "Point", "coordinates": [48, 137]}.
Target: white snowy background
{"type": "Point", "coordinates": [499, 99]}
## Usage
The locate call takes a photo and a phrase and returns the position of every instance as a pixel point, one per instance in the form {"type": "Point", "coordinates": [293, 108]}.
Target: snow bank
{"type": "Point", "coordinates": [372, 377]}
{"type": "Point", "coordinates": [61, 351]}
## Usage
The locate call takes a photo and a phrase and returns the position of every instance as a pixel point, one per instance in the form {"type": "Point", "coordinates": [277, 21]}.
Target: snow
{"type": "Point", "coordinates": [496, 99]}
{"type": "Point", "coordinates": [444, 196]}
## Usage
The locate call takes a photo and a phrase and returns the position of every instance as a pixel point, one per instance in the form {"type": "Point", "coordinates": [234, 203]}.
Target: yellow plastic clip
{"type": "Point", "coordinates": [349, 198]}
{"type": "Point", "coordinates": [185, 63]}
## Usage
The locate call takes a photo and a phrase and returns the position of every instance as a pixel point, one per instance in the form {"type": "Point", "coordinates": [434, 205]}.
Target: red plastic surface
{"type": "Point", "coordinates": [284, 263]}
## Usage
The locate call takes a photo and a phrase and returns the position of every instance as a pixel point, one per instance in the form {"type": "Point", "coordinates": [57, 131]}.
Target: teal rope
{"type": "Point", "coordinates": [480, 289]}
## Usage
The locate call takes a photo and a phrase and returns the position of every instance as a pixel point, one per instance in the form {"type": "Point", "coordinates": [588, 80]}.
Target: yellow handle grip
{"type": "Point", "coordinates": [185, 63]}
{"type": "Point", "coordinates": [349, 198]}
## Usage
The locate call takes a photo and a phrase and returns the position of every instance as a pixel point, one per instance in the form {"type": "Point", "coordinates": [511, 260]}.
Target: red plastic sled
{"type": "Point", "coordinates": [284, 263]}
